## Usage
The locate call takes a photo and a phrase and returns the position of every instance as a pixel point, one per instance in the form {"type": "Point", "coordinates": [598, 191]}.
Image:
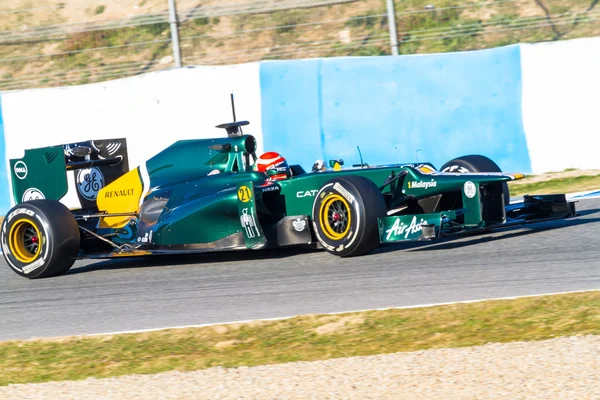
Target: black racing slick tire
{"type": "Point", "coordinates": [40, 239]}
{"type": "Point", "coordinates": [475, 163]}
{"type": "Point", "coordinates": [345, 214]}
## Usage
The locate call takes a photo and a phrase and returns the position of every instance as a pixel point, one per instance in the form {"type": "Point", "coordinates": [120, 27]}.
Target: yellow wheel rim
{"type": "Point", "coordinates": [335, 216]}
{"type": "Point", "coordinates": [25, 241]}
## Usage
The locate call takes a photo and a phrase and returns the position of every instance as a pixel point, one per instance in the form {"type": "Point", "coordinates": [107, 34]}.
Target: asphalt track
{"type": "Point", "coordinates": [104, 297]}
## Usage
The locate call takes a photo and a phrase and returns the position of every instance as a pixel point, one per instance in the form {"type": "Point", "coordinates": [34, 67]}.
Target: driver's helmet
{"type": "Point", "coordinates": [273, 161]}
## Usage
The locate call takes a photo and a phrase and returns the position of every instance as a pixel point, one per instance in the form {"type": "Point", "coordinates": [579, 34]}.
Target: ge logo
{"type": "Point", "coordinates": [244, 194]}
{"type": "Point", "coordinates": [32, 194]}
{"type": "Point", "coordinates": [89, 182]}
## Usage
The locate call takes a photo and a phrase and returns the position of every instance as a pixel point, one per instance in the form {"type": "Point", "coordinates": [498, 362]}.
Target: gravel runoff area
{"type": "Point", "coordinates": [565, 368]}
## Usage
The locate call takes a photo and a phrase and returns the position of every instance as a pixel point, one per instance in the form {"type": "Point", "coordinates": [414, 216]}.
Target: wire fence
{"type": "Point", "coordinates": [64, 50]}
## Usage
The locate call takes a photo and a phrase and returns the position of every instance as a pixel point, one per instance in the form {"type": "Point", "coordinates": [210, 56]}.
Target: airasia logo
{"type": "Point", "coordinates": [20, 169]}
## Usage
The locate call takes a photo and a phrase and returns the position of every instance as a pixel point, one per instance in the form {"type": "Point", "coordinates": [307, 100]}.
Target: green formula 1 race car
{"type": "Point", "coordinates": [81, 200]}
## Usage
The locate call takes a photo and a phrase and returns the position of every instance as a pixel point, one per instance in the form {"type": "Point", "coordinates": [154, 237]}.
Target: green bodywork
{"type": "Point", "coordinates": [43, 169]}
{"type": "Point", "coordinates": [203, 195]}
{"type": "Point", "coordinates": [211, 202]}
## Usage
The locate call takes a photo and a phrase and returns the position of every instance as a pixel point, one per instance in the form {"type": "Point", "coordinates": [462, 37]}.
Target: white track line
{"type": "Point", "coordinates": [339, 313]}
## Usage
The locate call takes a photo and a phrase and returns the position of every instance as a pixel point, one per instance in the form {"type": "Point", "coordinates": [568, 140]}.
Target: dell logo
{"type": "Point", "coordinates": [20, 170]}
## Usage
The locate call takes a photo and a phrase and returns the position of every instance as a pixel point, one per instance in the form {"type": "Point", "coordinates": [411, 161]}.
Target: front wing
{"type": "Point", "coordinates": [536, 208]}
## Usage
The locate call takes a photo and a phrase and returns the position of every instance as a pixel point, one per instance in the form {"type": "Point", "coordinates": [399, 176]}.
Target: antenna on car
{"type": "Point", "coordinates": [233, 107]}
{"type": "Point", "coordinates": [362, 163]}
{"type": "Point", "coordinates": [233, 128]}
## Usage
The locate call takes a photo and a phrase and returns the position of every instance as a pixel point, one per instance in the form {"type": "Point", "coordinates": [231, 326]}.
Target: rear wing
{"type": "Point", "coordinates": [72, 173]}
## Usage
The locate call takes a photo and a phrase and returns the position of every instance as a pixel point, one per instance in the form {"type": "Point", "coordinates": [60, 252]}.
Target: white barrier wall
{"type": "Point", "coordinates": [561, 110]}
{"type": "Point", "coordinates": [152, 111]}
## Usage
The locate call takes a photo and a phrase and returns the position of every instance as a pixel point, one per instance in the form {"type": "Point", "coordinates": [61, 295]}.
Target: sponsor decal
{"type": "Point", "coordinates": [89, 182]}
{"type": "Point", "coordinates": [20, 169]}
{"type": "Point", "coordinates": [19, 211]}
{"type": "Point", "coordinates": [249, 223]}
{"type": "Point", "coordinates": [32, 194]}
{"type": "Point", "coordinates": [113, 147]}
{"type": "Point", "coordinates": [119, 193]}
{"type": "Point", "coordinates": [147, 238]}
{"type": "Point", "coordinates": [306, 193]}
{"type": "Point", "coordinates": [282, 169]}
{"type": "Point", "coordinates": [33, 266]}
{"type": "Point", "coordinates": [400, 228]}
{"type": "Point", "coordinates": [299, 225]}
{"type": "Point", "coordinates": [422, 184]}
{"type": "Point", "coordinates": [470, 189]}
{"type": "Point", "coordinates": [278, 166]}
{"type": "Point", "coordinates": [244, 194]}
{"type": "Point", "coordinates": [344, 192]}
{"type": "Point", "coordinates": [272, 188]}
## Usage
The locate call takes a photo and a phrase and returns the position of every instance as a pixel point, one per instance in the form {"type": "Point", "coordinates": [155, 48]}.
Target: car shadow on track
{"type": "Point", "coordinates": [583, 213]}
{"type": "Point", "coordinates": [163, 260]}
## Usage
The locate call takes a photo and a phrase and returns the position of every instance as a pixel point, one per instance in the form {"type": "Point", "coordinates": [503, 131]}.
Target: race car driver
{"type": "Point", "coordinates": [273, 161]}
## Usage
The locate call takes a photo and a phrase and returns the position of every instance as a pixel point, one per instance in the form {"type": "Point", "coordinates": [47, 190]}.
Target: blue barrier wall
{"type": "Point", "coordinates": [4, 187]}
{"type": "Point", "coordinates": [439, 105]}
{"type": "Point", "coordinates": [445, 105]}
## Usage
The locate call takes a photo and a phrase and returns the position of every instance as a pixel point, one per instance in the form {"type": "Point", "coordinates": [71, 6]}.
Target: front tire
{"type": "Point", "coordinates": [40, 239]}
{"type": "Point", "coordinates": [345, 214]}
{"type": "Point", "coordinates": [475, 163]}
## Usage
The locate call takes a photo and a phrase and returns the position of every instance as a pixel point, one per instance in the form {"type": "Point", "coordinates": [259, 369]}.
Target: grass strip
{"type": "Point", "coordinates": [560, 185]}
{"type": "Point", "coordinates": [305, 338]}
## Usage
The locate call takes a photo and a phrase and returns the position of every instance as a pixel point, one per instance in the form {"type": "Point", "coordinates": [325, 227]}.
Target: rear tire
{"type": "Point", "coordinates": [345, 214]}
{"type": "Point", "coordinates": [40, 239]}
{"type": "Point", "coordinates": [475, 163]}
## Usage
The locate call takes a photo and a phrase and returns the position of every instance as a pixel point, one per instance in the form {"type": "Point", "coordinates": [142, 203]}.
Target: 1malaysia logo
{"type": "Point", "coordinates": [422, 184]}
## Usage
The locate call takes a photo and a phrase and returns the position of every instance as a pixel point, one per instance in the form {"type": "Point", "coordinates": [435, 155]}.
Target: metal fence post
{"type": "Point", "coordinates": [174, 33]}
{"type": "Point", "coordinates": [392, 24]}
